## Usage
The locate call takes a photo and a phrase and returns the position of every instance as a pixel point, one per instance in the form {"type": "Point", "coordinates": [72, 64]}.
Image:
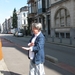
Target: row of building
{"type": "Point", "coordinates": [21, 21]}
{"type": "Point", "coordinates": [56, 16]}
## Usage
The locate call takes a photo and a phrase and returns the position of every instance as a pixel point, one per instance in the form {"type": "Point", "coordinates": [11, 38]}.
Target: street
{"type": "Point", "coordinates": [16, 58]}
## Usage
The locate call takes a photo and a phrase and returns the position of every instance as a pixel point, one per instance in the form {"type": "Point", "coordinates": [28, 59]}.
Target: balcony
{"type": "Point", "coordinates": [41, 6]}
{"type": "Point", "coordinates": [41, 10]}
{"type": "Point", "coordinates": [30, 1]}
{"type": "Point", "coordinates": [32, 13]}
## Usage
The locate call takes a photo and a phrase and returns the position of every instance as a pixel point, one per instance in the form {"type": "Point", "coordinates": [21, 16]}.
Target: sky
{"type": "Point", "coordinates": [7, 7]}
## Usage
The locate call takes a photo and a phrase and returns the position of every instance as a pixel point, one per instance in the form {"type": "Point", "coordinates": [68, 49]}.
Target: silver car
{"type": "Point", "coordinates": [19, 34]}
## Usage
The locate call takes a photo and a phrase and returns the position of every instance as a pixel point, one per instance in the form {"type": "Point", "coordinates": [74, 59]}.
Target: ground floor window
{"type": "Point", "coordinates": [67, 35]}
{"type": "Point", "coordinates": [62, 35]}
{"type": "Point", "coordinates": [57, 34]}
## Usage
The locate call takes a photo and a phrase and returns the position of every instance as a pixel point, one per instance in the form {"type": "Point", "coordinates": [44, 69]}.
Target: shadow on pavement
{"type": "Point", "coordinates": [8, 73]}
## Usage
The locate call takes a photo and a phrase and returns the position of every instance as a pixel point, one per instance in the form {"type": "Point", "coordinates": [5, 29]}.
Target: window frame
{"type": "Point", "coordinates": [63, 18]}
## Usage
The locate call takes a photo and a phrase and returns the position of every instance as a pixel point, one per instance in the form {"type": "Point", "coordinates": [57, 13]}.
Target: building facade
{"type": "Point", "coordinates": [9, 24]}
{"type": "Point", "coordinates": [37, 12]}
{"type": "Point", "coordinates": [22, 18]}
{"type": "Point", "coordinates": [62, 18]}
{"type": "Point", "coordinates": [56, 16]}
{"type": "Point", "coordinates": [5, 26]}
{"type": "Point", "coordinates": [32, 11]}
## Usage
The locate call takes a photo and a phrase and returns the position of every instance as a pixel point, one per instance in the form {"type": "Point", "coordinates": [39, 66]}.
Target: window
{"type": "Point", "coordinates": [48, 3]}
{"type": "Point", "coordinates": [67, 35]}
{"type": "Point", "coordinates": [57, 20]}
{"type": "Point", "coordinates": [57, 34]}
{"type": "Point", "coordinates": [29, 8]}
{"type": "Point", "coordinates": [24, 21]}
{"type": "Point", "coordinates": [62, 18]}
{"type": "Point", "coordinates": [62, 35]}
{"type": "Point", "coordinates": [39, 4]}
{"type": "Point", "coordinates": [40, 20]}
{"type": "Point", "coordinates": [24, 14]}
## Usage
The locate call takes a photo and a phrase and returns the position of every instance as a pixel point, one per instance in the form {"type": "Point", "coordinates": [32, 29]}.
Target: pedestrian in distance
{"type": "Point", "coordinates": [36, 50]}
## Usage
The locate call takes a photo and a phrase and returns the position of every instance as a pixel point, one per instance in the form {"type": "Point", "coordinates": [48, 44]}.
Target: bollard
{"type": "Point", "coordinates": [52, 38]}
{"type": "Point", "coordinates": [70, 40]}
{"type": "Point", "coordinates": [60, 39]}
{"type": "Point", "coordinates": [1, 55]}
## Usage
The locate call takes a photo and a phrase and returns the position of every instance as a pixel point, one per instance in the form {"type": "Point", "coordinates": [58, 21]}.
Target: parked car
{"type": "Point", "coordinates": [18, 34]}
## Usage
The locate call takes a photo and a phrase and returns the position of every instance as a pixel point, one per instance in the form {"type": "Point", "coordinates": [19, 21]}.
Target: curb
{"type": "Point", "coordinates": [51, 59]}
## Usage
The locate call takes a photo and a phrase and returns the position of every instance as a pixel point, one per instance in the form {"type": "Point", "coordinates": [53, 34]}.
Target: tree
{"type": "Point", "coordinates": [14, 19]}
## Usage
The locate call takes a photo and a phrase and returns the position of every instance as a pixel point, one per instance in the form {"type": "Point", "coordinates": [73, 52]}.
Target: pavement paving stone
{"type": "Point", "coordinates": [3, 68]}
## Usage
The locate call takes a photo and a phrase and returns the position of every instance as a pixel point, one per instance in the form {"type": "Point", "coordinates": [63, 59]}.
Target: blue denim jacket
{"type": "Point", "coordinates": [38, 49]}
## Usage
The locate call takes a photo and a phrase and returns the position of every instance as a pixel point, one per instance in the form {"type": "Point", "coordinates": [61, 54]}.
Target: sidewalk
{"type": "Point", "coordinates": [17, 61]}
{"type": "Point", "coordinates": [62, 41]}
{"type": "Point", "coordinates": [3, 68]}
